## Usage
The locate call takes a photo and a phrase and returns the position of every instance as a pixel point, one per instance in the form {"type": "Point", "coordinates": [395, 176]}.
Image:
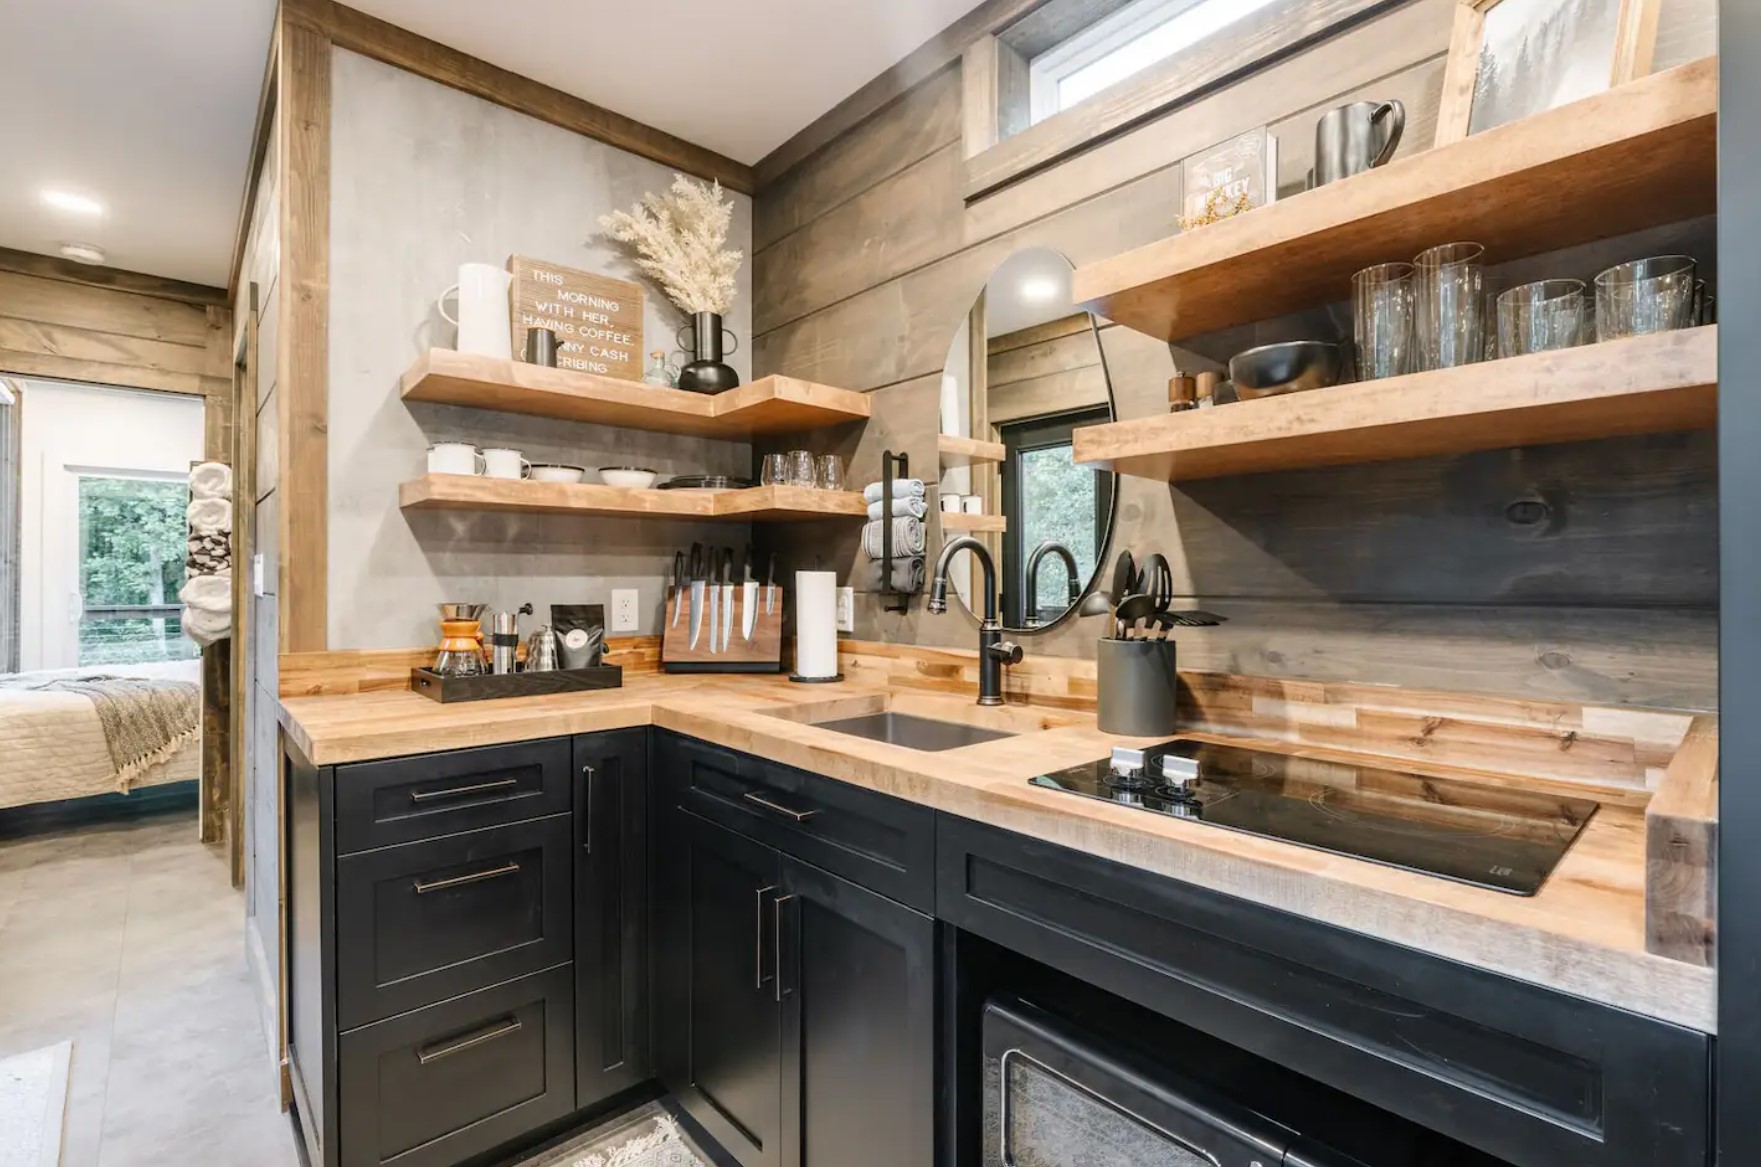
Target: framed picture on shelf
{"type": "Point", "coordinates": [1512, 59]}
{"type": "Point", "coordinates": [1233, 176]}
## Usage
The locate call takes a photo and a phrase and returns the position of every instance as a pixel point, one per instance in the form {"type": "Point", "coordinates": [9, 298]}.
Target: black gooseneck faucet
{"type": "Point", "coordinates": [1030, 602]}
{"type": "Point", "coordinates": [993, 651]}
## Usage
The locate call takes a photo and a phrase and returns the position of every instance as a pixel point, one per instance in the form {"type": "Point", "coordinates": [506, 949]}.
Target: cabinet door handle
{"type": "Point", "coordinates": [758, 799]}
{"type": "Point", "coordinates": [759, 978]}
{"type": "Point", "coordinates": [462, 791]}
{"type": "Point", "coordinates": [587, 814]}
{"type": "Point", "coordinates": [433, 1053]}
{"type": "Point", "coordinates": [782, 963]}
{"type": "Point", "coordinates": [423, 887]}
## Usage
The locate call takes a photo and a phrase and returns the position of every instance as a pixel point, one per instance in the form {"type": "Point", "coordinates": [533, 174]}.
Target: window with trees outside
{"type": "Point", "coordinates": [132, 541]}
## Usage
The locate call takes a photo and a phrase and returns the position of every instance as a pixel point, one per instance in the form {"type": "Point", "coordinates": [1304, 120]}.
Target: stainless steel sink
{"type": "Point", "coordinates": [912, 732]}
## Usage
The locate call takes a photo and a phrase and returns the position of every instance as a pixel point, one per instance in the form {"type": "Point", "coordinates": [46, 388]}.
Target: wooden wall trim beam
{"type": "Point", "coordinates": [49, 267]}
{"type": "Point", "coordinates": [372, 37]}
{"type": "Point", "coordinates": [264, 129]}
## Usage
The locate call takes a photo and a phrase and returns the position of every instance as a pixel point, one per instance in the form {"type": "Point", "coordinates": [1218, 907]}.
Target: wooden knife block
{"type": "Point", "coordinates": [762, 654]}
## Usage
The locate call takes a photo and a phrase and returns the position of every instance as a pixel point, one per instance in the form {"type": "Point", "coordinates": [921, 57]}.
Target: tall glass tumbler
{"type": "Point", "coordinates": [1538, 317]}
{"type": "Point", "coordinates": [1450, 306]}
{"type": "Point", "coordinates": [1382, 320]}
{"type": "Point", "coordinates": [1646, 295]}
{"type": "Point", "coordinates": [800, 468]}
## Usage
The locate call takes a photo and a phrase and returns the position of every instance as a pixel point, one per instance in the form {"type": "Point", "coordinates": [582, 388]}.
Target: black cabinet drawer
{"type": "Point", "coordinates": [1535, 1077]}
{"type": "Point", "coordinates": [879, 842]}
{"type": "Point", "coordinates": [426, 921]}
{"type": "Point", "coordinates": [404, 799]}
{"type": "Point", "coordinates": [437, 1086]}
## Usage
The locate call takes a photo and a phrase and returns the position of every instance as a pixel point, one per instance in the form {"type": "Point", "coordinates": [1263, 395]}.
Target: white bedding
{"type": "Point", "coordinates": [52, 746]}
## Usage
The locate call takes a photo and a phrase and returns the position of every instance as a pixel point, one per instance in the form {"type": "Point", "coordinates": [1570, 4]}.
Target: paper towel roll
{"type": "Point", "coordinates": [816, 624]}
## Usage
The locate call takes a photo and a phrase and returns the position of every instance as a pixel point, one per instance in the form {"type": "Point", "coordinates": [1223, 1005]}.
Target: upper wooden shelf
{"type": "Point", "coordinates": [467, 493]}
{"type": "Point", "coordinates": [958, 451]}
{"type": "Point", "coordinates": [1642, 384]}
{"type": "Point", "coordinates": [1638, 155]}
{"type": "Point", "coordinates": [767, 405]}
{"type": "Point", "coordinates": [974, 524]}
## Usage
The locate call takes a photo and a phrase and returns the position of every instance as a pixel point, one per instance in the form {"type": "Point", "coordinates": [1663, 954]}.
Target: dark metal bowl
{"type": "Point", "coordinates": [1289, 367]}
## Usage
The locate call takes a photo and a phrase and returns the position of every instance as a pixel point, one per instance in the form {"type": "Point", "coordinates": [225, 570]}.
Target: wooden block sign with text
{"type": "Point", "coordinates": [597, 319]}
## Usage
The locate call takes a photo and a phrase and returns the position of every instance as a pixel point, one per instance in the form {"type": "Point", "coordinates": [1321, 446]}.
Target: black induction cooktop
{"type": "Point", "coordinates": [1486, 835]}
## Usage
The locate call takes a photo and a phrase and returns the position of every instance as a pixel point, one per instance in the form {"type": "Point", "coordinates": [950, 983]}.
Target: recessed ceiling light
{"type": "Point", "coordinates": [83, 253]}
{"type": "Point", "coordinates": [1038, 289]}
{"type": "Point", "coordinates": [78, 204]}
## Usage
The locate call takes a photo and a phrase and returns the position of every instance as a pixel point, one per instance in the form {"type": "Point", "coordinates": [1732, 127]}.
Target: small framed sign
{"type": "Point", "coordinates": [1231, 177]}
{"type": "Point", "coordinates": [597, 319]}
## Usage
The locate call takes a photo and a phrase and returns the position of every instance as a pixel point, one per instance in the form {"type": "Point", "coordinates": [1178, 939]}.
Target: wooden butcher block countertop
{"type": "Point", "coordinates": [1584, 933]}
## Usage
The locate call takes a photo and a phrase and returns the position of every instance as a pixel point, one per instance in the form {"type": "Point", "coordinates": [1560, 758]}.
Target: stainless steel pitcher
{"type": "Point", "coordinates": [1356, 137]}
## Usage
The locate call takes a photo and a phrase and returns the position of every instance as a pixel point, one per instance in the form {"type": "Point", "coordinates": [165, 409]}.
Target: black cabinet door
{"type": "Point", "coordinates": [719, 1029]}
{"type": "Point", "coordinates": [611, 913]}
{"type": "Point", "coordinates": [856, 977]}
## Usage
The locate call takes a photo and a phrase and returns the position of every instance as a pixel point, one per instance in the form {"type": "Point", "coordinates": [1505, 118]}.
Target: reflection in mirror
{"type": "Point", "coordinates": [1022, 375]}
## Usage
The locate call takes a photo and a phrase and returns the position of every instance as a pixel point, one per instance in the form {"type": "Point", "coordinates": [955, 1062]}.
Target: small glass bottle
{"type": "Point", "coordinates": [658, 371]}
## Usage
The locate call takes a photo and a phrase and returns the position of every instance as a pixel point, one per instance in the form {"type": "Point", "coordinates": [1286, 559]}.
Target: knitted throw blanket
{"type": "Point", "coordinates": [145, 721]}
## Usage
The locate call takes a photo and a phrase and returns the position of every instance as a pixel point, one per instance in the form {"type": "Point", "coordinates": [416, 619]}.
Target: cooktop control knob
{"type": "Point", "coordinates": [1126, 762]}
{"type": "Point", "coordinates": [1179, 774]}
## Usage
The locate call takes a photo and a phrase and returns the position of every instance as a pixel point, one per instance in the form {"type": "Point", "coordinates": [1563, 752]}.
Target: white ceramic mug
{"type": "Point", "coordinates": [506, 464]}
{"type": "Point", "coordinates": [951, 504]}
{"type": "Point", "coordinates": [973, 504]}
{"type": "Point", "coordinates": [454, 458]}
{"type": "Point", "coordinates": [483, 320]}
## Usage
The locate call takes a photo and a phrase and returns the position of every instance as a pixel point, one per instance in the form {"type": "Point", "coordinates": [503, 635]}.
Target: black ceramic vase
{"type": "Point", "coordinates": [706, 374]}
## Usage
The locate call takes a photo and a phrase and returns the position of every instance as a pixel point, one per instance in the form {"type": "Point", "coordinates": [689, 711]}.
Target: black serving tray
{"type": "Point", "coordinates": [447, 690]}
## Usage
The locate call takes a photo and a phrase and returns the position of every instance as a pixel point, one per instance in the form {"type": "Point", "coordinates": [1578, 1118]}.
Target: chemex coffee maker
{"type": "Point", "coordinates": [461, 641]}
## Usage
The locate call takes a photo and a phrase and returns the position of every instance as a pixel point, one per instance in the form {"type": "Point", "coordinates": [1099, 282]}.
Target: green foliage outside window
{"type": "Point", "coordinates": [132, 544]}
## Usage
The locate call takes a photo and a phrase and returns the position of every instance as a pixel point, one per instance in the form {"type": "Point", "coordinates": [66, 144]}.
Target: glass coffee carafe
{"type": "Point", "coordinates": [461, 641]}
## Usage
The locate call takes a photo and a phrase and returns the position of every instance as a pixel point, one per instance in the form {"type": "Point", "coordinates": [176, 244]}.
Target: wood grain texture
{"type": "Point", "coordinates": [341, 672]}
{"type": "Point", "coordinates": [962, 523]}
{"type": "Point", "coordinates": [979, 112]}
{"type": "Point", "coordinates": [514, 496]}
{"type": "Point", "coordinates": [259, 167]}
{"type": "Point", "coordinates": [1460, 74]}
{"type": "Point", "coordinates": [958, 451]}
{"type": "Point", "coordinates": [372, 37]}
{"type": "Point", "coordinates": [49, 267]}
{"type": "Point", "coordinates": [1636, 156]}
{"type": "Point", "coordinates": [768, 405]}
{"type": "Point", "coordinates": [1642, 384]}
{"type": "Point", "coordinates": [214, 785]}
{"type": "Point", "coordinates": [1681, 853]}
{"type": "Point", "coordinates": [244, 545]}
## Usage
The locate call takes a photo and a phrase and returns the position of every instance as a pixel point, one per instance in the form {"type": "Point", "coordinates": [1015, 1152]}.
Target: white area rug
{"type": "Point", "coordinates": [33, 1098]}
{"type": "Point", "coordinates": [644, 1137]}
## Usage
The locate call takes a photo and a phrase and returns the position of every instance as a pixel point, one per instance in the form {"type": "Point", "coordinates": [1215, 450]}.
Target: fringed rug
{"type": "Point", "coordinates": [646, 1138]}
{"type": "Point", "coordinates": [33, 1099]}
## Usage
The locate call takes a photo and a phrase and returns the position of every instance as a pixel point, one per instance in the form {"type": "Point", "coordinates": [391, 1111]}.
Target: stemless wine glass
{"type": "Point", "coordinates": [773, 470]}
{"type": "Point", "coordinates": [828, 472]}
{"type": "Point", "coordinates": [800, 471]}
{"type": "Point", "coordinates": [1382, 319]}
{"type": "Point", "coordinates": [1646, 295]}
{"type": "Point", "coordinates": [1537, 317]}
{"type": "Point", "coordinates": [1450, 309]}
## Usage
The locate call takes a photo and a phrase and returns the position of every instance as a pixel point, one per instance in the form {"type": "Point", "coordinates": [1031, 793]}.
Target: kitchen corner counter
{"type": "Point", "coordinates": [1584, 933]}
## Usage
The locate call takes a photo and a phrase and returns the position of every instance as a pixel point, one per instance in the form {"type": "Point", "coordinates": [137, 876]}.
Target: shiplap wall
{"type": "Point", "coordinates": [1585, 571]}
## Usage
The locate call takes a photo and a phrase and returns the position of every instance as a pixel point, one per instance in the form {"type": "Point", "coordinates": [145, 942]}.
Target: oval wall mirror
{"type": "Point", "coordinates": [1022, 375]}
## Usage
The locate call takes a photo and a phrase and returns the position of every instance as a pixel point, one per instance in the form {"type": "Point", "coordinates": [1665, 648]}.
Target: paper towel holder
{"type": "Point", "coordinates": [797, 677]}
{"type": "Point", "coordinates": [894, 467]}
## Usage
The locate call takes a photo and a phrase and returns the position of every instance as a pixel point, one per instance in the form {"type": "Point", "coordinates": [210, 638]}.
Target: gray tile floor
{"type": "Point", "coordinates": [128, 939]}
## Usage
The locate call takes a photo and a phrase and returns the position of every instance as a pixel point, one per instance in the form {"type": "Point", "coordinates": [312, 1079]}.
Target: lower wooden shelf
{"type": "Point", "coordinates": [461, 492]}
{"type": "Point", "coordinates": [974, 524]}
{"type": "Point", "coordinates": [1641, 384]}
{"type": "Point", "coordinates": [959, 451]}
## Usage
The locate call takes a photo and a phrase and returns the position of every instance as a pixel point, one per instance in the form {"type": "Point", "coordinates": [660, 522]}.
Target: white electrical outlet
{"type": "Point", "coordinates": [623, 610]}
{"type": "Point", "coordinates": [846, 609]}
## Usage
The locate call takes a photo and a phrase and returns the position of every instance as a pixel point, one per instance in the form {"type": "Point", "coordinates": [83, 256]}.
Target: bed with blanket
{"type": "Point", "coordinates": [71, 733]}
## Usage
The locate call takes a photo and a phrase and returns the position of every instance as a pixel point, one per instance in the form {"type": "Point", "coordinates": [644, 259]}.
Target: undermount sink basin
{"type": "Point", "coordinates": [913, 732]}
{"type": "Point", "coordinates": [921, 721]}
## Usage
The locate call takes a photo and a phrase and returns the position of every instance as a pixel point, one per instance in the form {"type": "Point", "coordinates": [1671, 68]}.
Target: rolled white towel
{"type": "Point", "coordinates": [908, 538]}
{"type": "Point", "coordinates": [208, 516]}
{"type": "Point", "coordinates": [902, 488]}
{"type": "Point", "coordinates": [208, 593]}
{"type": "Point", "coordinates": [211, 480]}
{"type": "Point", "coordinates": [206, 627]}
{"type": "Point", "coordinates": [903, 508]}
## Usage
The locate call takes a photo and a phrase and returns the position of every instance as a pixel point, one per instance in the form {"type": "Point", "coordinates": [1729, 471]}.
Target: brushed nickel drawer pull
{"type": "Point", "coordinates": [799, 816]}
{"type": "Point", "coordinates": [462, 791]}
{"type": "Point", "coordinates": [423, 888]}
{"type": "Point", "coordinates": [499, 1029]}
{"type": "Point", "coordinates": [759, 978]}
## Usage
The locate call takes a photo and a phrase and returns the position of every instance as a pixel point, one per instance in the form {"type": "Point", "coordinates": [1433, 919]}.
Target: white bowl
{"type": "Point", "coordinates": [544, 472]}
{"type": "Point", "coordinates": [630, 477]}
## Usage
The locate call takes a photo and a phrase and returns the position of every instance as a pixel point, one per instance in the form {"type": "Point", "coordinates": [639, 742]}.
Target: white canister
{"type": "Point", "coordinates": [816, 625]}
{"type": "Point", "coordinates": [506, 464]}
{"type": "Point", "coordinates": [454, 458]}
{"type": "Point", "coordinates": [973, 504]}
{"type": "Point", "coordinates": [951, 503]}
{"type": "Point", "coordinates": [483, 320]}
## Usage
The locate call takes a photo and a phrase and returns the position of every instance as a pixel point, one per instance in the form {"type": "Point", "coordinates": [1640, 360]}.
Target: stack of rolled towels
{"type": "Point", "coordinates": [207, 589]}
{"type": "Point", "coordinates": [904, 573]}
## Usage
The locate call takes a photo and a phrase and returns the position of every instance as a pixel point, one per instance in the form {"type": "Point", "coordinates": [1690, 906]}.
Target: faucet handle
{"type": "Point", "coordinates": [1007, 651]}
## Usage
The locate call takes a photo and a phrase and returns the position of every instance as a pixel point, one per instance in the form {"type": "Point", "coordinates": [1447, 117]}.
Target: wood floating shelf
{"type": "Point", "coordinates": [460, 492]}
{"type": "Point", "coordinates": [958, 451]}
{"type": "Point", "coordinates": [1643, 384]}
{"type": "Point", "coordinates": [974, 524]}
{"type": "Point", "coordinates": [1639, 155]}
{"type": "Point", "coordinates": [767, 405]}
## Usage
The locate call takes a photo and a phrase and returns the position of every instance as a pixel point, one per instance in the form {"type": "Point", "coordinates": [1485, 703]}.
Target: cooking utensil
{"type": "Point", "coordinates": [1157, 582]}
{"type": "Point", "coordinates": [770, 584]}
{"type": "Point", "coordinates": [715, 598]}
{"type": "Point", "coordinates": [1136, 607]}
{"type": "Point", "coordinates": [698, 582]}
{"type": "Point", "coordinates": [727, 597]}
{"type": "Point", "coordinates": [1124, 581]}
{"type": "Point", "coordinates": [543, 651]}
{"type": "Point", "coordinates": [1194, 618]}
{"type": "Point", "coordinates": [678, 585]}
{"type": "Point", "coordinates": [748, 599]}
{"type": "Point", "coordinates": [1290, 367]}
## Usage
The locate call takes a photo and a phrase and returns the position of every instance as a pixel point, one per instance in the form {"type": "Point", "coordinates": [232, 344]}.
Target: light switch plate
{"type": "Point", "coordinates": [623, 610]}
{"type": "Point", "coordinates": [846, 609]}
{"type": "Point", "coordinates": [257, 574]}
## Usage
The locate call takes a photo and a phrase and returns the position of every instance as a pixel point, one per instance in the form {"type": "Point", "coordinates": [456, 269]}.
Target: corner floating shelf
{"type": "Point", "coordinates": [760, 503]}
{"type": "Point", "coordinates": [767, 405]}
{"type": "Point", "coordinates": [960, 521]}
{"type": "Point", "coordinates": [958, 451]}
{"type": "Point", "coordinates": [1642, 384]}
{"type": "Point", "coordinates": [1639, 155]}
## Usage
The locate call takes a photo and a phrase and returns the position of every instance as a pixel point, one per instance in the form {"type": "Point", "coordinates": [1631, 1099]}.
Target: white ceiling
{"type": "Point", "coordinates": [146, 107]}
{"type": "Point", "coordinates": [738, 76]}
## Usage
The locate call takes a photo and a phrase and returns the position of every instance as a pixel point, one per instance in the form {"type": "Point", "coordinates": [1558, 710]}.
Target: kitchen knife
{"type": "Point", "coordinates": [678, 586]}
{"type": "Point", "coordinates": [727, 596]}
{"type": "Point", "coordinates": [697, 582]}
{"type": "Point", "coordinates": [715, 595]}
{"type": "Point", "coordinates": [770, 584]}
{"type": "Point", "coordinates": [748, 599]}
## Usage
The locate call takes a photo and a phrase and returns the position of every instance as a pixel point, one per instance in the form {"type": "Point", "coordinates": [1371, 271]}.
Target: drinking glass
{"type": "Point", "coordinates": [800, 471]}
{"type": "Point", "coordinates": [829, 472]}
{"type": "Point", "coordinates": [773, 471]}
{"type": "Point", "coordinates": [1450, 309]}
{"type": "Point", "coordinates": [1382, 315]}
{"type": "Point", "coordinates": [1537, 317]}
{"type": "Point", "coordinates": [1646, 295]}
